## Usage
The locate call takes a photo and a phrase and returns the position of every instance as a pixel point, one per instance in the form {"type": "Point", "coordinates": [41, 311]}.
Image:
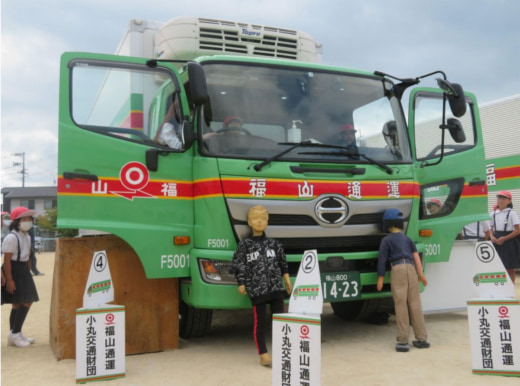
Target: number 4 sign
{"type": "Point", "coordinates": [99, 289]}
{"type": "Point", "coordinates": [100, 328]}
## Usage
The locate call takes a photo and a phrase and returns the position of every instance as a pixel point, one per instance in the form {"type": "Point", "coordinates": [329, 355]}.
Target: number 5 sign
{"type": "Point", "coordinates": [490, 278]}
{"type": "Point", "coordinates": [485, 252]}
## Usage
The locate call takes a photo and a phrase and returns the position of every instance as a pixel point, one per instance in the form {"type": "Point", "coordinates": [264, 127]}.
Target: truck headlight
{"type": "Point", "coordinates": [216, 271]}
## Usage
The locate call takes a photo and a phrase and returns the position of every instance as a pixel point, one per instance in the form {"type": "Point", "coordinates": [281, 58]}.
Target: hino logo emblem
{"type": "Point", "coordinates": [331, 211]}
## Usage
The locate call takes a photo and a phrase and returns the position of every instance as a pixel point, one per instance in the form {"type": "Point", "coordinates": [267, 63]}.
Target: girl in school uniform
{"type": "Point", "coordinates": [19, 289]}
{"type": "Point", "coordinates": [505, 226]}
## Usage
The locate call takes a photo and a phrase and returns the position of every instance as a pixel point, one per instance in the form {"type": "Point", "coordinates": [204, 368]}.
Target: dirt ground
{"type": "Point", "coordinates": [352, 353]}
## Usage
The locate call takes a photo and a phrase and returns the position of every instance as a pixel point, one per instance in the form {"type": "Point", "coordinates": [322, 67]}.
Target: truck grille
{"type": "Point", "coordinates": [297, 226]}
{"type": "Point", "coordinates": [302, 220]}
{"type": "Point", "coordinates": [361, 265]}
{"type": "Point", "coordinates": [347, 244]}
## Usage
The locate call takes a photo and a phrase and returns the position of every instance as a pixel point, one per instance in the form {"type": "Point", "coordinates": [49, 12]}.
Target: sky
{"type": "Point", "coordinates": [475, 42]}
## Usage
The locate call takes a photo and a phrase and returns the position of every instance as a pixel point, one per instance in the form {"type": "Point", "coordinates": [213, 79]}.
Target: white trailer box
{"type": "Point", "coordinates": [501, 130]}
{"type": "Point", "coordinates": [188, 37]}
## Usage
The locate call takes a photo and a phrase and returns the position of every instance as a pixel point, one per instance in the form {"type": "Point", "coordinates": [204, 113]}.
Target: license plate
{"type": "Point", "coordinates": [340, 286]}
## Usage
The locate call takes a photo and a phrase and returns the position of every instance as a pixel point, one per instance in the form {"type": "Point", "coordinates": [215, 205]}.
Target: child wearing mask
{"type": "Point", "coordinates": [20, 289]}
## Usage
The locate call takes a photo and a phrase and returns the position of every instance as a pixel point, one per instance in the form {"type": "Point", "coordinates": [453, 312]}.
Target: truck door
{"type": "Point", "coordinates": [451, 176]}
{"type": "Point", "coordinates": [110, 111]}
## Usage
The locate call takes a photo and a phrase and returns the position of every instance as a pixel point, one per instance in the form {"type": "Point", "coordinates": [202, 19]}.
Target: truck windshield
{"type": "Point", "coordinates": [258, 112]}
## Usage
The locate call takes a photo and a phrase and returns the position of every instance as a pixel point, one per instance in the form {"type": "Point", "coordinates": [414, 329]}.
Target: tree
{"type": "Point", "coordinates": [49, 221]}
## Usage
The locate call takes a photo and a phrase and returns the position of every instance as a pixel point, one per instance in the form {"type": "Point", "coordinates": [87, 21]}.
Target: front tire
{"type": "Point", "coordinates": [194, 322]}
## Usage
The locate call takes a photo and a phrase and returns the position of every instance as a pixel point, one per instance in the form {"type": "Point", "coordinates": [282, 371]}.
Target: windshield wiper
{"type": "Point", "coordinates": [313, 143]}
{"type": "Point", "coordinates": [307, 143]}
{"type": "Point", "coordinates": [387, 169]}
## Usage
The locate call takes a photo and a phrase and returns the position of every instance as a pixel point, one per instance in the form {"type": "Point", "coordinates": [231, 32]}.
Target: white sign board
{"type": "Point", "coordinates": [297, 335]}
{"type": "Point", "coordinates": [495, 336]}
{"type": "Point", "coordinates": [307, 297]}
{"type": "Point", "coordinates": [100, 343]}
{"type": "Point", "coordinates": [99, 289]}
{"type": "Point", "coordinates": [296, 349]}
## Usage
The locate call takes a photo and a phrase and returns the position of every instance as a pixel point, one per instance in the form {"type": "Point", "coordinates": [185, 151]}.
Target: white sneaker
{"type": "Point", "coordinates": [28, 339]}
{"type": "Point", "coordinates": [10, 339]}
{"type": "Point", "coordinates": [19, 341]}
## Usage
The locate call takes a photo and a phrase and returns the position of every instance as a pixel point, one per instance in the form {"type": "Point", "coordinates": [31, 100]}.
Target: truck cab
{"type": "Point", "coordinates": [183, 210]}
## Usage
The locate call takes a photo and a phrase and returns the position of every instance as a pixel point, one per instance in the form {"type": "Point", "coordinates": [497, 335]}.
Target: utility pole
{"type": "Point", "coordinates": [22, 164]}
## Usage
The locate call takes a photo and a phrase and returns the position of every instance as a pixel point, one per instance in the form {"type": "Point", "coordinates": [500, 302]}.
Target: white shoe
{"type": "Point", "coordinates": [10, 339]}
{"type": "Point", "coordinates": [19, 341]}
{"type": "Point", "coordinates": [29, 339]}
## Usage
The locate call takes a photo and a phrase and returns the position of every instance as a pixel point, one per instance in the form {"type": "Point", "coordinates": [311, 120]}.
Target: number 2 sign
{"type": "Point", "coordinates": [307, 294]}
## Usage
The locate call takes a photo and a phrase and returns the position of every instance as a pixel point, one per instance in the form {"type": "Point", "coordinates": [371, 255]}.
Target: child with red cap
{"type": "Point", "coordinates": [505, 227]}
{"type": "Point", "coordinates": [19, 289]}
{"type": "Point", "coordinates": [434, 205]}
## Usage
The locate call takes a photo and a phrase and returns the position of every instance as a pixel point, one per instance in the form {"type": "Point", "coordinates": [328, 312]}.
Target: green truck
{"type": "Point", "coordinates": [184, 210]}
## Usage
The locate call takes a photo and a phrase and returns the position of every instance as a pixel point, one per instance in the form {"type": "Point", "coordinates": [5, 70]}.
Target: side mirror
{"type": "Point", "coordinates": [446, 87]}
{"type": "Point", "coordinates": [152, 159]}
{"type": "Point", "coordinates": [455, 95]}
{"type": "Point", "coordinates": [456, 131]}
{"type": "Point", "coordinates": [188, 136]}
{"type": "Point", "coordinates": [457, 103]}
{"type": "Point", "coordinates": [198, 85]}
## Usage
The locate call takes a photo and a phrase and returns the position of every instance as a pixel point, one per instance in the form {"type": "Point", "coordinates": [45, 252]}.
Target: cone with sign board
{"type": "Point", "coordinates": [306, 297]}
{"type": "Point", "coordinates": [493, 316]}
{"type": "Point", "coordinates": [100, 327]}
{"type": "Point", "coordinates": [490, 278]}
{"type": "Point", "coordinates": [297, 334]}
{"type": "Point", "coordinates": [99, 289]}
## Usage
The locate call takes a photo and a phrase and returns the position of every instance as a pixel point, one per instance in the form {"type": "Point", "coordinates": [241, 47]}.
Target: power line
{"type": "Point", "coordinates": [22, 164]}
{"type": "Point", "coordinates": [41, 172]}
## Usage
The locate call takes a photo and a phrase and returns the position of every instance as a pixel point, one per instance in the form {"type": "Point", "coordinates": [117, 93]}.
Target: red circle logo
{"type": "Point", "coordinates": [110, 318]}
{"type": "Point", "coordinates": [134, 176]}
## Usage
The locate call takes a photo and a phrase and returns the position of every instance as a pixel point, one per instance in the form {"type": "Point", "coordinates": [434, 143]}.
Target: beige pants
{"type": "Point", "coordinates": [407, 301]}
